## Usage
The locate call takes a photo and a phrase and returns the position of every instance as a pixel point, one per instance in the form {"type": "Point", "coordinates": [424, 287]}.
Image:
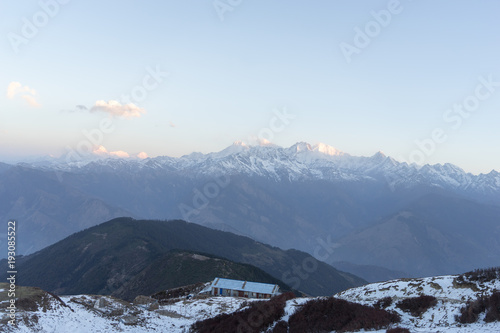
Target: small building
{"type": "Point", "coordinates": [237, 288]}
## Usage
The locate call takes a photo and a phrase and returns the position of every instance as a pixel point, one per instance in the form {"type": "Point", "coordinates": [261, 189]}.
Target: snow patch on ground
{"type": "Point", "coordinates": [79, 318]}
{"type": "Point", "coordinates": [441, 318]}
{"type": "Point", "coordinates": [92, 313]}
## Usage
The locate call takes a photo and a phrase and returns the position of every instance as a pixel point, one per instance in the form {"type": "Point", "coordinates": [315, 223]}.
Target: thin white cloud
{"type": "Point", "coordinates": [142, 155]}
{"type": "Point", "coordinates": [102, 151]}
{"type": "Point", "coordinates": [28, 94]}
{"type": "Point", "coordinates": [31, 100]}
{"type": "Point", "coordinates": [117, 109]}
{"type": "Point", "coordinates": [12, 89]}
{"type": "Point", "coordinates": [119, 153]}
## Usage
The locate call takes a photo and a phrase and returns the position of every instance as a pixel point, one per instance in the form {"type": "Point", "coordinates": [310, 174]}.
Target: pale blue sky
{"type": "Point", "coordinates": [227, 76]}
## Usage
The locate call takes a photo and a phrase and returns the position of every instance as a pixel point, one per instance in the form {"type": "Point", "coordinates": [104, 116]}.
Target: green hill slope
{"type": "Point", "coordinates": [180, 268]}
{"type": "Point", "coordinates": [104, 258]}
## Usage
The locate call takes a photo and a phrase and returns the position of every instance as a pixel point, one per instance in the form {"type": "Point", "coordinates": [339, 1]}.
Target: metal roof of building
{"type": "Point", "coordinates": [256, 287]}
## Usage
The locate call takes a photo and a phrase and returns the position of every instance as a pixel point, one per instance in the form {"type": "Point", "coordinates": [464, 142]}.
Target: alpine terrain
{"type": "Point", "coordinates": [357, 212]}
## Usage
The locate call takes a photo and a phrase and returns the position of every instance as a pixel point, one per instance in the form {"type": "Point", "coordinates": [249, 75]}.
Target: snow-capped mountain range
{"type": "Point", "coordinates": [300, 162]}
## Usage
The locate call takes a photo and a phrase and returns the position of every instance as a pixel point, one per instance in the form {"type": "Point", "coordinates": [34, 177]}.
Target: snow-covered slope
{"type": "Point", "coordinates": [91, 313]}
{"type": "Point", "coordinates": [85, 313]}
{"type": "Point", "coordinates": [451, 298]}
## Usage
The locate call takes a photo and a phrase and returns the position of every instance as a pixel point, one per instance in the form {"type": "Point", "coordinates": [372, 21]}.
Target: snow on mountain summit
{"type": "Point", "coordinates": [235, 148]}
{"type": "Point", "coordinates": [301, 161]}
{"type": "Point", "coordinates": [304, 147]}
{"type": "Point", "coordinates": [327, 150]}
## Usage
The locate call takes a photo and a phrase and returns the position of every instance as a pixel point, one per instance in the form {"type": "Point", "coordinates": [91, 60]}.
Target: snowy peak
{"type": "Point", "coordinates": [380, 155]}
{"type": "Point", "coordinates": [300, 147]}
{"type": "Point", "coordinates": [235, 148]}
{"type": "Point", "coordinates": [327, 150]}
{"type": "Point", "coordinates": [304, 147]}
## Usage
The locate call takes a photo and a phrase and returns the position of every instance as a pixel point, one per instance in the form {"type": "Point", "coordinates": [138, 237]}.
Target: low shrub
{"type": "Point", "coordinates": [417, 305]}
{"type": "Point", "coordinates": [165, 296]}
{"type": "Point", "coordinates": [256, 318]}
{"type": "Point", "coordinates": [333, 314]}
{"type": "Point", "coordinates": [471, 311]}
{"type": "Point", "coordinates": [493, 312]}
{"type": "Point", "coordinates": [383, 303]}
{"type": "Point", "coordinates": [479, 275]}
{"type": "Point", "coordinates": [280, 327]}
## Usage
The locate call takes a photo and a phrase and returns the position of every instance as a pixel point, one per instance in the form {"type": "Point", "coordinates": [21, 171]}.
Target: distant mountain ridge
{"type": "Point", "coordinates": [435, 233]}
{"type": "Point", "coordinates": [301, 161]}
{"type": "Point", "coordinates": [299, 197]}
